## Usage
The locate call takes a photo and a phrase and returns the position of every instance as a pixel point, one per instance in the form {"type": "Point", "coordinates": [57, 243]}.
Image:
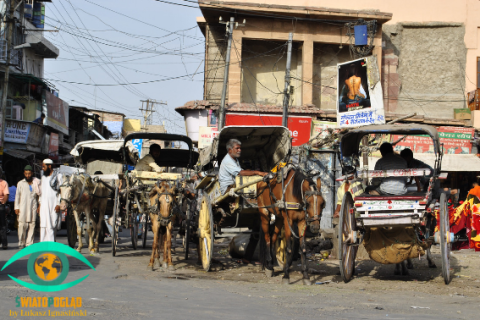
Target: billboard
{"type": "Point", "coordinates": [298, 126]}
{"type": "Point", "coordinates": [359, 93]}
{"type": "Point", "coordinates": [205, 136]}
{"type": "Point", "coordinates": [56, 112]}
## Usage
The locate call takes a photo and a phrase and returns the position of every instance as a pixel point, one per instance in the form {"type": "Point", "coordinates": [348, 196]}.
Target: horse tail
{"type": "Point", "coordinates": [263, 249]}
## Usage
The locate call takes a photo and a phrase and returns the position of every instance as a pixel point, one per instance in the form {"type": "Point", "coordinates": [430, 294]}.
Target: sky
{"type": "Point", "coordinates": [113, 54]}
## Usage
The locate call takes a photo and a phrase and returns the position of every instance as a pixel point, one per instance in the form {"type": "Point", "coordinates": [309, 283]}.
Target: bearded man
{"type": "Point", "coordinates": [49, 202]}
{"type": "Point", "coordinates": [26, 207]}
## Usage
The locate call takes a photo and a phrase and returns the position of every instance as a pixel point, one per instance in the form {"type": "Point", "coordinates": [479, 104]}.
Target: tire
{"type": "Point", "coordinates": [116, 207]}
{"type": "Point", "coordinates": [346, 249]}
{"type": "Point", "coordinates": [280, 249]}
{"type": "Point", "coordinates": [445, 242]}
{"type": "Point", "coordinates": [71, 229]}
{"type": "Point", "coordinates": [206, 234]}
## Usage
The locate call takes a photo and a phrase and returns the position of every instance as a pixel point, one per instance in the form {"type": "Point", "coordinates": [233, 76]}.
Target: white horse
{"type": "Point", "coordinates": [82, 194]}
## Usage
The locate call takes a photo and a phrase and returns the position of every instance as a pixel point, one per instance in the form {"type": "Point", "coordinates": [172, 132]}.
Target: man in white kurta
{"type": "Point", "coordinates": [49, 203]}
{"type": "Point", "coordinates": [26, 204]}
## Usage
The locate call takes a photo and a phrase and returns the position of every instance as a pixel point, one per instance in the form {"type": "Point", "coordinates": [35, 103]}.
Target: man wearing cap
{"type": "Point", "coordinates": [49, 202]}
{"type": "Point", "coordinates": [148, 163]}
{"type": "Point", "coordinates": [3, 213]}
{"type": "Point", "coordinates": [26, 206]}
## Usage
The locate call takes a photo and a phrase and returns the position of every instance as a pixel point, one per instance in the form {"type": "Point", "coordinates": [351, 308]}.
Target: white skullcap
{"type": "Point", "coordinates": [48, 161]}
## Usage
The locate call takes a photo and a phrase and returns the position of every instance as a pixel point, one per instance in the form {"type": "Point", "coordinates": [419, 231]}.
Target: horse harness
{"type": "Point", "coordinates": [155, 210]}
{"type": "Point", "coordinates": [89, 196]}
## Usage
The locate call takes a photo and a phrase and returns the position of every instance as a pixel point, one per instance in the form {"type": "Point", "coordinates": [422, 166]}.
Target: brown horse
{"type": "Point", "coordinates": [304, 206]}
{"type": "Point", "coordinates": [162, 199]}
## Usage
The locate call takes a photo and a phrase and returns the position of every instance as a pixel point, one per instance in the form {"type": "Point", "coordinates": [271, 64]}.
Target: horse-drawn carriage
{"type": "Point", "coordinates": [156, 198]}
{"type": "Point", "coordinates": [285, 195]}
{"type": "Point", "coordinates": [393, 228]}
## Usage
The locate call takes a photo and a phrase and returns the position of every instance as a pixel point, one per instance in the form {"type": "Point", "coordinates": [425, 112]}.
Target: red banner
{"type": "Point", "coordinates": [299, 127]}
{"type": "Point", "coordinates": [455, 140]}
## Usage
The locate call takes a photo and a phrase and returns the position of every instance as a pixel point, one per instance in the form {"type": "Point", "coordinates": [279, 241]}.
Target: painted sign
{"type": "Point", "coordinates": [206, 136]}
{"type": "Point", "coordinates": [53, 146]}
{"type": "Point", "coordinates": [56, 111]}
{"type": "Point", "coordinates": [320, 128]}
{"type": "Point", "coordinates": [394, 173]}
{"type": "Point", "coordinates": [359, 93]}
{"type": "Point", "coordinates": [138, 143]}
{"type": "Point", "coordinates": [299, 127]}
{"type": "Point", "coordinates": [455, 140]}
{"type": "Point", "coordinates": [16, 131]}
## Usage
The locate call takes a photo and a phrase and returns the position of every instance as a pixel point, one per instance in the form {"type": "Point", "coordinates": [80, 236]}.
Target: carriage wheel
{"type": "Point", "coordinates": [346, 249]}
{"type": "Point", "coordinates": [445, 239]}
{"type": "Point", "coordinates": [134, 229]}
{"type": "Point", "coordinates": [206, 233]}
{"type": "Point", "coordinates": [71, 229]}
{"type": "Point", "coordinates": [144, 232]}
{"type": "Point", "coordinates": [188, 233]}
{"type": "Point", "coordinates": [116, 208]}
{"type": "Point", "coordinates": [280, 249]}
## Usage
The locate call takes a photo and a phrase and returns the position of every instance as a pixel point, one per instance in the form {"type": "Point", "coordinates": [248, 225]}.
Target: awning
{"type": "Point", "coordinates": [450, 162]}
{"type": "Point", "coordinates": [21, 154]}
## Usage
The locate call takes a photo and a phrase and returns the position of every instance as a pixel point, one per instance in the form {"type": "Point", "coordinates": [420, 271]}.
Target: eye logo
{"type": "Point", "coordinates": [48, 266]}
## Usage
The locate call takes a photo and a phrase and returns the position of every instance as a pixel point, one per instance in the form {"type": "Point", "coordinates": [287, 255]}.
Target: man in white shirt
{"type": "Point", "coordinates": [148, 163]}
{"type": "Point", "coordinates": [230, 167]}
{"type": "Point", "coordinates": [49, 202]}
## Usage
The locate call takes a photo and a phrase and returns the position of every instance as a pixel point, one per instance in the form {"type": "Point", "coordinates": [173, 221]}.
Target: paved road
{"type": "Point", "coordinates": [122, 288]}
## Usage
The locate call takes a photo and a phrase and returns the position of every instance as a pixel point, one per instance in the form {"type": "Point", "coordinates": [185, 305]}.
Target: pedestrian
{"type": "Point", "coordinates": [3, 212]}
{"type": "Point", "coordinates": [26, 207]}
{"type": "Point", "coordinates": [49, 201]}
{"type": "Point", "coordinates": [12, 192]}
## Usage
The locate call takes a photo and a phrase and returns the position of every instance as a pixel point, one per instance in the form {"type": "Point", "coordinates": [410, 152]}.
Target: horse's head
{"type": "Point", "coordinates": [66, 192]}
{"type": "Point", "coordinates": [314, 203]}
{"type": "Point", "coordinates": [165, 195]}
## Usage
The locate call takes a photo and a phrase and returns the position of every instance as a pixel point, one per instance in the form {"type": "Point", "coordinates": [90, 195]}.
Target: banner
{"type": "Point", "coordinates": [206, 136]}
{"type": "Point", "coordinates": [56, 112]}
{"type": "Point", "coordinates": [455, 140]}
{"type": "Point", "coordinates": [359, 93]}
{"type": "Point", "coordinates": [53, 146]}
{"type": "Point", "coordinates": [138, 143]}
{"type": "Point", "coordinates": [320, 128]}
{"type": "Point", "coordinates": [299, 127]}
{"type": "Point", "coordinates": [16, 131]}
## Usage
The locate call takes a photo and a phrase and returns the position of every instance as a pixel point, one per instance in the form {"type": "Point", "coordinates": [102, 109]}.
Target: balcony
{"type": "Point", "coordinates": [16, 56]}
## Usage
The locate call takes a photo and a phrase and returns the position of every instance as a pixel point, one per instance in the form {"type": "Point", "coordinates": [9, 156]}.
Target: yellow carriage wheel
{"type": "Point", "coordinates": [206, 233]}
{"type": "Point", "coordinates": [280, 249]}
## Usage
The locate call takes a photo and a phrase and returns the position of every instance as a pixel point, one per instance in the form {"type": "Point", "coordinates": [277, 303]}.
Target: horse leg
{"type": "Point", "coordinates": [289, 253]}
{"type": "Point", "coordinates": [165, 248]}
{"type": "Point", "coordinates": [265, 246]}
{"type": "Point", "coordinates": [169, 246]}
{"type": "Point", "coordinates": [88, 213]}
{"type": "Point", "coordinates": [101, 217]}
{"type": "Point", "coordinates": [409, 264]}
{"type": "Point", "coordinates": [155, 244]}
{"type": "Point", "coordinates": [79, 231]}
{"type": "Point", "coordinates": [303, 253]}
{"type": "Point", "coordinates": [397, 269]}
{"type": "Point", "coordinates": [431, 263]}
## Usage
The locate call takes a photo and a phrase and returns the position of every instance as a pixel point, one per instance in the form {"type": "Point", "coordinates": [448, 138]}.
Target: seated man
{"type": "Point", "coordinates": [148, 163]}
{"type": "Point", "coordinates": [230, 167]}
{"type": "Point", "coordinates": [423, 181]}
{"type": "Point", "coordinates": [389, 161]}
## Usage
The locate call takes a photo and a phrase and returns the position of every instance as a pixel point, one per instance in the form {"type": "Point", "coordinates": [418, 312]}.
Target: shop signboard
{"type": "Point", "coordinates": [298, 126]}
{"type": "Point", "coordinates": [17, 131]}
{"type": "Point", "coordinates": [359, 93]}
{"type": "Point", "coordinates": [206, 136]}
{"type": "Point", "coordinates": [56, 112]}
{"type": "Point", "coordinates": [455, 140]}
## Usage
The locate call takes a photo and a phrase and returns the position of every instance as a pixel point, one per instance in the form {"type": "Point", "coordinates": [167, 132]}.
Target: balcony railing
{"type": "Point", "coordinates": [16, 56]}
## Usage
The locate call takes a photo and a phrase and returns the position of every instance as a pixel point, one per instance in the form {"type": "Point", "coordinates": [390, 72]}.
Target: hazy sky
{"type": "Point", "coordinates": [108, 43]}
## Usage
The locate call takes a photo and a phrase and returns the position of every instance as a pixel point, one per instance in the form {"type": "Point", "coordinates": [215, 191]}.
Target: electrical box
{"type": "Point", "coordinates": [361, 35]}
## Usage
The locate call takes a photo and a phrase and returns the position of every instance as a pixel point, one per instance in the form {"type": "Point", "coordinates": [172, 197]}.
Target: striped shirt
{"type": "Point", "coordinates": [391, 185]}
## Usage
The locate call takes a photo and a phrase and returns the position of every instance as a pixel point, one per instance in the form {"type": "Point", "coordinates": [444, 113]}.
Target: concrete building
{"type": "Point", "coordinates": [427, 51]}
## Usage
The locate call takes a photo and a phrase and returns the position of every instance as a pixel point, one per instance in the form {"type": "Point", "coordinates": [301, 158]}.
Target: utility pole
{"type": "Point", "coordinates": [10, 22]}
{"type": "Point", "coordinates": [221, 112]}
{"type": "Point", "coordinates": [286, 93]}
{"type": "Point", "coordinates": [148, 108]}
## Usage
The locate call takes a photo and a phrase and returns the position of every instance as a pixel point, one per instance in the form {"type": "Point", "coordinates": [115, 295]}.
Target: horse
{"type": "Point", "coordinates": [304, 206]}
{"type": "Point", "coordinates": [82, 194]}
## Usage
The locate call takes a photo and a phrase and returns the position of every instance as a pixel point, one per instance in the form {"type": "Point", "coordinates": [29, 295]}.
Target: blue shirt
{"type": "Point", "coordinates": [229, 169]}
{"type": "Point", "coordinates": [38, 120]}
{"type": "Point", "coordinates": [13, 191]}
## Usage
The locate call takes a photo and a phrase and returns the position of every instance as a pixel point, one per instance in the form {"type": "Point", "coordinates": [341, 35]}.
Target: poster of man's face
{"type": "Point", "coordinates": [353, 93]}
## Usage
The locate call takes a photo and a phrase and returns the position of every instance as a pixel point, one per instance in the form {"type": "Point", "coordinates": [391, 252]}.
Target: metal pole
{"type": "Point", "coordinates": [10, 20]}
{"type": "Point", "coordinates": [221, 112]}
{"type": "Point", "coordinates": [286, 93]}
{"type": "Point", "coordinates": [365, 158]}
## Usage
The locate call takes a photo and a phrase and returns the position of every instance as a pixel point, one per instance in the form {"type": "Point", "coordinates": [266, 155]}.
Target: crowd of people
{"type": "Point", "coordinates": [32, 197]}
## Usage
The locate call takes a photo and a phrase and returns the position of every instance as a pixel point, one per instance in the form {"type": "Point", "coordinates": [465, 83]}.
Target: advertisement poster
{"type": "Point", "coordinates": [455, 140]}
{"type": "Point", "coordinates": [206, 136]}
{"type": "Point", "coordinates": [359, 93]}
{"type": "Point", "coordinates": [319, 128]}
{"type": "Point", "coordinates": [16, 131]}
{"type": "Point", "coordinates": [212, 119]}
{"type": "Point", "coordinates": [299, 127]}
{"type": "Point", "coordinates": [56, 111]}
{"type": "Point", "coordinates": [138, 143]}
{"type": "Point", "coordinates": [53, 146]}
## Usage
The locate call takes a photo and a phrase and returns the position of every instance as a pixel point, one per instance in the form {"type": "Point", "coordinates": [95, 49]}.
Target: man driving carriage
{"type": "Point", "coordinates": [148, 163]}
{"type": "Point", "coordinates": [230, 167]}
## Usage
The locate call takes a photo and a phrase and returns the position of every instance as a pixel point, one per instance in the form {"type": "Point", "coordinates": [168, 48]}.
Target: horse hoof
{"type": "Point", "coordinates": [150, 267]}
{"type": "Point", "coordinates": [285, 281]}
{"type": "Point", "coordinates": [269, 273]}
{"type": "Point", "coordinates": [171, 268]}
{"type": "Point", "coordinates": [165, 266]}
{"type": "Point", "coordinates": [307, 282]}
{"type": "Point", "coordinates": [157, 263]}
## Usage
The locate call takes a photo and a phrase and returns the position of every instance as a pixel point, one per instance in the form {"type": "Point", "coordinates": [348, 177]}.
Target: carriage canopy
{"type": "Point", "coordinates": [108, 150]}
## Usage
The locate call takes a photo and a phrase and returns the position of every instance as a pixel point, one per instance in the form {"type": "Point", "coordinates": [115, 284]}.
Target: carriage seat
{"type": "Point", "coordinates": [407, 196]}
